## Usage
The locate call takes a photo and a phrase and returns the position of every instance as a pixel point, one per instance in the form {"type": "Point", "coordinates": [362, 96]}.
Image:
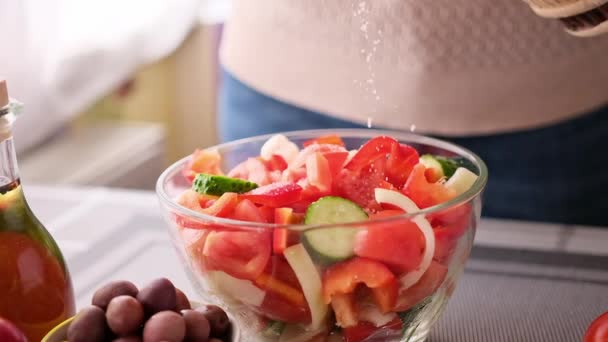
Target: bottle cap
{"type": "Point", "coordinates": [3, 94]}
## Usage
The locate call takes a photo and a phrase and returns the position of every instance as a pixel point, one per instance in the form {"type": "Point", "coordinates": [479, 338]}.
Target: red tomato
{"type": "Point", "coordinates": [423, 193]}
{"type": "Point", "coordinates": [335, 160]}
{"type": "Point", "coordinates": [432, 175]}
{"type": "Point", "coordinates": [598, 330]}
{"type": "Point", "coordinates": [301, 206]}
{"type": "Point", "coordinates": [279, 309]}
{"type": "Point", "coordinates": [386, 213]}
{"type": "Point", "coordinates": [253, 170]}
{"type": "Point", "coordinates": [372, 150]}
{"type": "Point", "coordinates": [399, 244]}
{"type": "Point", "coordinates": [426, 286]}
{"type": "Point", "coordinates": [267, 212]}
{"type": "Point", "coordinates": [275, 163]}
{"type": "Point", "coordinates": [275, 195]}
{"type": "Point", "coordinates": [452, 222]}
{"type": "Point", "coordinates": [203, 161]}
{"type": "Point", "coordinates": [400, 164]}
{"type": "Point", "coordinates": [359, 186]}
{"type": "Point", "coordinates": [242, 254]}
{"type": "Point", "coordinates": [284, 298]}
{"type": "Point", "coordinates": [444, 245]}
{"type": "Point", "coordinates": [247, 211]}
{"type": "Point", "coordinates": [327, 139]}
{"type": "Point", "coordinates": [363, 330]}
{"type": "Point", "coordinates": [318, 172]}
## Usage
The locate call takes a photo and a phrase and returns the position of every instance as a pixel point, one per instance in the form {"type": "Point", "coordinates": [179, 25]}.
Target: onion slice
{"type": "Point", "coordinates": [406, 204]}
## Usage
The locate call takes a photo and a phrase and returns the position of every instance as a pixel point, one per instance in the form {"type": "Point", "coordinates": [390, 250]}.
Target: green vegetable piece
{"type": "Point", "coordinates": [217, 185]}
{"type": "Point", "coordinates": [273, 329]}
{"type": "Point", "coordinates": [333, 244]}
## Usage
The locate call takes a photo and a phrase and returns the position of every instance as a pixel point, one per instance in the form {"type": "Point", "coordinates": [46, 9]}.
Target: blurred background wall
{"type": "Point", "coordinates": [134, 106]}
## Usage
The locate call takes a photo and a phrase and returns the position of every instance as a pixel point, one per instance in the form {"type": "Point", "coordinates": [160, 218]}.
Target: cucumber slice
{"type": "Point", "coordinates": [461, 181]}
{"type": "Point", "coordinates": [334, 210]}
{"type": "Point", "coordinates": [273, 329]}
{"type": "Point", "coordinates": [445, 166]}
{"type": "Point", "coordinates": [217, 185]}
{"type": "Point", "coordinates": [330, 245]}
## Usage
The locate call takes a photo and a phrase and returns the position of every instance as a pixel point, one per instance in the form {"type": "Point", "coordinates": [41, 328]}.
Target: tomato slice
{"type": "Point", "coordinates": [203, 161]}
{"type": "Point", "coordinates": [327, 139]}
{"type": "Point", "coordinates": [400, 164]}
{"type": "Point", "coordinates": [386, 213]}
{"type": "Point", "coordinates": [242, 254]}
{"type": "Point", "coordinates": [399, 244]}
{"type": "Point", "coordinates": [432, 175]}
{"type": "Point", "coordinates": [275, 195]}
{"type": "Point", "coordinates": [279, 309]}
{"type": "Point", "coordinates": [453, 222]}
{"type": "Point", "coordinates": [359, 186]}
{"type": "Point", "coordinates": [284, 299]}
{"type": "Point", "coordinates": [253, 170]}
{"type": "Point", "coordinates": [363, 330]}
{"type": "Point", "coordinates": [371, 151]}
{"type": "Point", "coordinates": [245, 210]}
{"type": "Point", "coordinates": [318, 172]}
{"type": "Point", "coordinates": [444, 245]}
{"type": "Point", "coordinates": [423, 193]}
{"type": "Point", "coordinates": [426, 286]}
{"type": "Point", "coordinates": [598, 330]}
{"type": "Point", "coordinates": [336, 160]}
{"type": "Point", "coordinates": [275, 163]}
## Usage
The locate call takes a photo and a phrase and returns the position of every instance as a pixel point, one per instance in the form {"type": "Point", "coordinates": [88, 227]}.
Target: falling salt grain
{"type": "Point", "coordinates": [369, 122]}
{"type": "Point", "coordinates": [412, 128]}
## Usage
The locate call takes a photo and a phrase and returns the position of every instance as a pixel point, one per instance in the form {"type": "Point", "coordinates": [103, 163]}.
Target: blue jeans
{"type": "Point", "coordinates": [557, 173]}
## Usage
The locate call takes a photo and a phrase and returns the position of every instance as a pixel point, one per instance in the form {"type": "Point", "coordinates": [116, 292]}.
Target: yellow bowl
{"type": "Point", "coordinates": [60, 332]}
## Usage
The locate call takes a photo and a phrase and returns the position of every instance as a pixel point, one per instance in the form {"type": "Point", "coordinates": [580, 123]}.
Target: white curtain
{"type": "Point", "coordinates": [59, 56]}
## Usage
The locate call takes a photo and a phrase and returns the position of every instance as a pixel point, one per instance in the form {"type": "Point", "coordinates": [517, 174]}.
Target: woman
{"type": "Point", "coordinates": [529, 98]}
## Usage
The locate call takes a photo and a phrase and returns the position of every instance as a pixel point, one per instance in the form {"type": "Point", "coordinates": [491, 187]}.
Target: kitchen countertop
{"type": "Point", "coordinates": [524, 281]}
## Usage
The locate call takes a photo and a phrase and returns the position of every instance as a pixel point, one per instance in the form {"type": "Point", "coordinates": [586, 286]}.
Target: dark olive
{"type": "Point", "coordinates": [182, 302]}
{"type": "Point", "coordinates": [197, 326]}
{"type": "Point", "coordinates": [124, 315]}
{"type": "Point", "coordinates": [218, 320]}
{"type": "Point", "coordinates": [165, 326]}
{"type": "Point", "coordinates": [89, 325]}
{"type": "Point", "coordinates": [157, 296]}
{"type": "Point", "coordinates": [106, 293]}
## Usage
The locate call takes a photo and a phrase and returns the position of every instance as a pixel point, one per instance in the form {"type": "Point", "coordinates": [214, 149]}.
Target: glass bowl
{"type": "Point", "coordinates": [288, 301]}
